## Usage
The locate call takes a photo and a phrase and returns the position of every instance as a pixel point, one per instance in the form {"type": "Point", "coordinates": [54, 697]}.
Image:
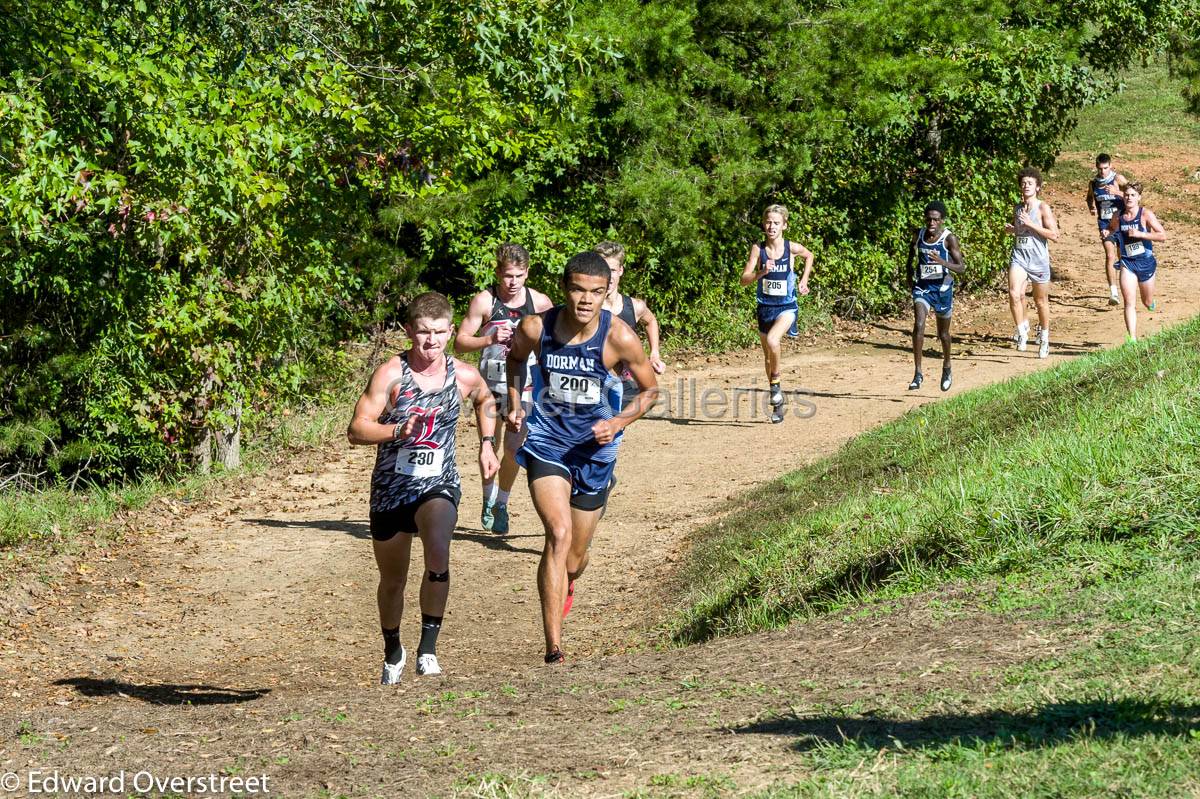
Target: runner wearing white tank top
{"type": "Point", "coordinates": [1033, 224]}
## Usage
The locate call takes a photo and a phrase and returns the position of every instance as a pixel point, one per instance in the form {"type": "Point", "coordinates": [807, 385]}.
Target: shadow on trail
{"type": "Point", "coordinates": [1048, 725]}
{"type": "Point", "coordinates": [356, 529]}
{"type": "Point", "coordinates": [500, 543]}
{"type": "Point", "coordinates": [165, 693]}
{"type": "Point", "coordinates": [685, 420]}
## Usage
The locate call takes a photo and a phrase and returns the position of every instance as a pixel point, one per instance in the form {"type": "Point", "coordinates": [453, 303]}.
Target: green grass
{"type": "Point", "coordinates": [1042, 473]}
{"type": "Point", "coordinates": [1069, 498]}
{"type": "Point", "coordinates": [1147, 107]}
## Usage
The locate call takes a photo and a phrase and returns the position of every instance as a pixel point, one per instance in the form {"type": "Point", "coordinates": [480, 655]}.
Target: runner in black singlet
{"type": "Point", "coordinates": [410, 411]}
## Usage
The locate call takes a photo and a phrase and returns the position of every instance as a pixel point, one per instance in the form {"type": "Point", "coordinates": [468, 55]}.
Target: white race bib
{"type": "Point", "coordinates": [1106, 212]}
{"type": "Point", "coordinates": [419, 461]}
{"type": "Point", "coordinates": [1134, 248]}
{"type": "Point", "coordinates": [775, 288]}
{"type": "Point", "coordinates": [1024, 242]}
{"type": "Point", "coordinates": [575, 389]}
{"type": "Point", "coordinates": [495, 371]}
{"type": "Point", "coordinates": [929, 271]}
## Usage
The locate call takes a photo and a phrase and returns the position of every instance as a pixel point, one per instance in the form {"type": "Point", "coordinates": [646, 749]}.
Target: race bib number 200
{"type": "Point", "coordinates": [419, 461]}
{"type": "Point", "coordinates": [575, 389]}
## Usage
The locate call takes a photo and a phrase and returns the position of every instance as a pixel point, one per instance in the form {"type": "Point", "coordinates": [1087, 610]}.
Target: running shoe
{"type": "Point", "coordinates": [427, 666]}
{"type": "Point", "coordinates": [392, 671]}
{"type": "Point", "coordinates": [1043, 343]}
{"type": "Point", "coordinates": [1113, 297]}
{"type": "Point", "coordinates": [570, 598]}
{"type": "Point", "coordinates": [918, 378]}
{"type": "Point", "coordinates": [487, 517]}
{"type": "Point", "coordinates": [1152, 306]}
{"type": "Point", "coordinates": [947, 379]}
{"type": "Point", "coordinates": [555, 656]}
{"type": "Point", "coordinates": [1022, 338]}
{"type": "Point", "coordinates": [500, 519]}
{"type": "Point", "coordinates": [776, 414]}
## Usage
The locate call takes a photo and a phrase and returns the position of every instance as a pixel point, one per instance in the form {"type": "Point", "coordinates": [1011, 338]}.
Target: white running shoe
{"type": "Point", "coordinates": [427, 665]}
{"type": "Point", "coordinates": [1113, 297]}
{"type": "Point", "coordinates": [1022, 337]}
{"type": "Point", "coordinates": [391, 673]}
{"type": "Point", "coordinates": [1043, 343]}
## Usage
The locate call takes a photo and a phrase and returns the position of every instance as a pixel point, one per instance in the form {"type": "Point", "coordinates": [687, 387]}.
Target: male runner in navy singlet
{"type": "Point", "coordinates": [409, 411]}
{"type": "Point", "coordinates": [570, 449]}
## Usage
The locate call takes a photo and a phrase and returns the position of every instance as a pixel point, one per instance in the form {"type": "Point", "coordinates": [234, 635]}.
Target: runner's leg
{"type": "Point", "coordinates": [1129, 292]}
{"type": "Point", "coordinates": [1017, 279]}
{"type": "Point", "coordinates": [551, 497]}
{"type": "Point", "coordinates": [920, 311]}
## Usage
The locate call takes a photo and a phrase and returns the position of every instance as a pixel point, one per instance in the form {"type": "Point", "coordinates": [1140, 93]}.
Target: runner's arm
{"type": "Point", "coordinates": [646, 317]}
{"type": "Point", "coordinates": [1156, 232]}
{"type": "Point", "coordinates": [365, 428]}
{"type": "Point", "coordinates": [750, 272]}
{"type": "Point", "coordinates": [467, 339]}
{"type": "Point", "coordinates": [624, 345]}
{"type": "Point", "coordinates": [1090, 197]}
{"type": "Point", "coordinates": [955, 264]}
{"type": "Point", "coordinates": [541, 302]}
{"type": "Point", "coordinates": [1049, 226]}
{"type": "Point", "coordinates": [523, 342]}
{"type": "Point", "coordinates": [806, 254]}
{"type": "Point", "coordinates": [472, 385]}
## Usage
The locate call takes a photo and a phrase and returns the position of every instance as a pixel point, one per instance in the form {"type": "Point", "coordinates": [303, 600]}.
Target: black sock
{"type": "Point", "coordinates": [391, 645]}
{"type": "Point", "coordinates": [430, 627]}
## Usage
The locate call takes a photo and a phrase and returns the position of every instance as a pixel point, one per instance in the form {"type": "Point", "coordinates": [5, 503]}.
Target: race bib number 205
{"type": "Point", "coordinates": [775, 288]}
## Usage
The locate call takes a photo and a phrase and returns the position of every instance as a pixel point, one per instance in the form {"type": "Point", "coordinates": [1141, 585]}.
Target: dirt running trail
{"type": "Point", "coordinates": [239, 635]}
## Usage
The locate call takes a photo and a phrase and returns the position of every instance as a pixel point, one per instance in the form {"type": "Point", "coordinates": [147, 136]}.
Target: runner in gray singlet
{"type": "Point", "coordinates": [1032, 225]}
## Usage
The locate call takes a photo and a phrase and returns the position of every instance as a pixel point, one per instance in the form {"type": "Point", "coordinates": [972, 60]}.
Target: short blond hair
{"type": "Point", "coordinates": [610, 249]}
{"type": "Point", "coordinates": [775, 209]}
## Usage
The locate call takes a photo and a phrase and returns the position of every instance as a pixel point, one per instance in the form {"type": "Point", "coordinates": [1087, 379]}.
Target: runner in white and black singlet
{"type": "Point", "coordinates": [487, 328]}
{"type": "Point", "coordinates": [410, 411]}
{"type": "Point", "coordinates": [570, 451]}
{"type": "Point", "coordinates": [632, 311]}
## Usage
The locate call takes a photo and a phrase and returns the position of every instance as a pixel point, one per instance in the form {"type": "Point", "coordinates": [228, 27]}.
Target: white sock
{"type": "Point", "coordinates": [1024, 326]}
{"type": "Point", "coordinates": [489, 493]}
{"type": "Point", "coordinates": [502, 497]}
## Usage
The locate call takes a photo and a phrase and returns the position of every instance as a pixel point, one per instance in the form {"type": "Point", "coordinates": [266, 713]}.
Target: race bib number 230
{"type": "Point", "coordinates": [419, 461]}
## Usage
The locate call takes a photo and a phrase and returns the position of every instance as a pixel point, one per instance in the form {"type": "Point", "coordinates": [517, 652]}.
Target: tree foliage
{"type": "Point", "coordinates": [199, 200]}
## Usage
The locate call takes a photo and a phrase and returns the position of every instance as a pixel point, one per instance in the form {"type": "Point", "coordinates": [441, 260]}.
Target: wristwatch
{"type": "Point", "coordinates": [488, 439]}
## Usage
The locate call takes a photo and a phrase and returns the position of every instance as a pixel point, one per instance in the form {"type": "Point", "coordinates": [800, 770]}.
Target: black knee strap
{"type": "Point", "coordinates": [439, 577]}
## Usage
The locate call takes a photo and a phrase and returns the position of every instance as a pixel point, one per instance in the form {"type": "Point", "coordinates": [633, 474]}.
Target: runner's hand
{"type": "Point", "coordinates": [606, 430]}
{"type": "Point", "coordinates": [489, 464]}
{"type": "Point", "coordinates": [657, 364]}
{"type": "Point", "coordinates": [802, 286]}
{"type": "Point", "coordinates": [502, 334]}
{"type": "Point", "coordinates": [406, 430]}
{"type": "Point", "coordinates": [515, 418]}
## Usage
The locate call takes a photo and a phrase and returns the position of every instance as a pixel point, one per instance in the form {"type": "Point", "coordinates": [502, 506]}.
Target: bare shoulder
{"type": "Point", "coordinates": [540, 301]}
{"type": "Point", "coordinates": [467, 376]}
